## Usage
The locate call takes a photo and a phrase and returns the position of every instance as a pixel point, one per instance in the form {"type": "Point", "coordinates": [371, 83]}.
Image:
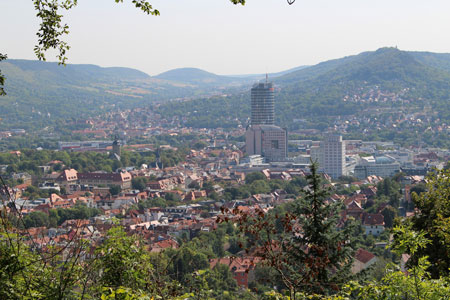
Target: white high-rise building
{"type": "Point", "coordinates": [332, 151]}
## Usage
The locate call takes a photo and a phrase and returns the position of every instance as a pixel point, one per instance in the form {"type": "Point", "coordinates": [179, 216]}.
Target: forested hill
{"type": "Point", "coordinates": [197, 76]}
{"type": "Point", "coordinates": [74, 74]}
{"type": "Point", "coordinates": [41, 93]}
{"type": "Point", "coordinates": [357, 88]}
{"type": "Point", "coordinates": [386, 66]}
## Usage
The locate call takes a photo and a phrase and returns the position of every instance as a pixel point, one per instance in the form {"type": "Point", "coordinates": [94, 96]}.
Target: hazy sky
{"type": "Point", "coordinates": [215, 35]}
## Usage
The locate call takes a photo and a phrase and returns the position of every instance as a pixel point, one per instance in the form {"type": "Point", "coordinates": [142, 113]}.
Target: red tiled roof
{"type": "Point", "coordinates": [22, 186]}
{"type": "Point", "coordinates": [374, 219]}
{"type": "Point", "coordinates": [364, 256]}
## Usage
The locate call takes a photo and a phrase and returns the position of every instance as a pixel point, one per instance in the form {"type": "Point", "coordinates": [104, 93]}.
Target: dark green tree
{"type": "Point", "coordinates": [321, 254]}
{"type": "Point", "coordinates": [303, 244]}
{"type": "Point", "coordinates": [114, 190]}
{"type": "Point", "coordinates": [139, 183]}
{"type": "Point", "coordinates": [389, 214]}
{"type": "Point", "coordinates": [36, 219]}
{"type": "Point", "coordinates": [2, 78]}
{"type": "Point", "coordinates": [259, 187]}
{"type": "Point", "coordinates": [220, 279]}
{"type": "Point", "coordinates": [249, 178]}
{"type": "Point", "coordinates": [433, 218]}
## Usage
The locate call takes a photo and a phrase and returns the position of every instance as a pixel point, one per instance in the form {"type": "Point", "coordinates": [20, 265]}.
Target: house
{"type": "Point", "coordinates": [190, 196]}
{"type": "Point", "coordinates": [370, 192]}
{"type": "Point", "coordinates": [161, 185]}
{"type": "Point", "coordinates": [355, 210]}
{"type": "Point", "coordinates": [67, 178]}
{"type": "Point", "coordinates": [363, 260]}
{"type": "Point", "coordinates": [164, 244]}
{"type": "Point", "coordinates": [20, 189]}
{"type": "Point", "coordinates": [110, 203]}
{"type": "Point", "coordinates": [360, 198]}
{"type": "Point", "coordinates": [25, 177]}
{"type": "Point", "coordinates": [373, 224]}
{"type": "Point", "coordinates": [242, 268]}
{"type": "Point", "coordinates": [200, 194]}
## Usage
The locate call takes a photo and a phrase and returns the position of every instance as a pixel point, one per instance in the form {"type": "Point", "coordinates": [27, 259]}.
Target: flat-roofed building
{"type": "Point", "coordinates": [332, 152]}
{"type": "Point", "coordinates": [383, 166]}
{"type": "Point", "coordinates": [268, 141]}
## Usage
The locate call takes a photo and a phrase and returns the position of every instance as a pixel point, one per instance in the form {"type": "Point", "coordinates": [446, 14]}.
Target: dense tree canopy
{"type": "Point", "coordinates": [433, 218]}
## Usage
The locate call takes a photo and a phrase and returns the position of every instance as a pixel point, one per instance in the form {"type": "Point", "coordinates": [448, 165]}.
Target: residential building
{"type": "Point", "coordinates": [67, 178]}
{"type": "Point", "coordinates": [374, 224]}
{"type": "Point", "coordinates": [363, 260]}
{"type": "Point", "coordinates": [122, 179]}
{"type": "Point", "coordinates": [242, 268]}
{"type": "Point", "coordinates": [332, 154]}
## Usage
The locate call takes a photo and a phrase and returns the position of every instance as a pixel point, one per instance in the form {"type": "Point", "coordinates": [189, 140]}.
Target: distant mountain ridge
{"type": "Point", "coordinates": [317, 95]}
{"type": "Point", "coordinates": [384, 56]}
{"type": "Point", "coordinates": [271, 75]}
{"type": "Point", "coordinates": [40, 93]}
{"type": "Point", "coordinates": [73, 72]}
{"type": "Point", "coordinates": [380, 65]}
{"type": "Point", "coordinates": [197, 76]}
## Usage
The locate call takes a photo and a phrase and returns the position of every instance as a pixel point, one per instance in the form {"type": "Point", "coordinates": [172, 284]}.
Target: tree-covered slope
{"type": "Point", "coordinates": [69, 74]}
{"type": "Point", "coordinates": [361, 88]}
{"type": "Point", "coordinates": [41, 93]}
{"type": "Point", "coordinates": [437, 60]}
{"type": "Point", "coordinates": [38, 93]}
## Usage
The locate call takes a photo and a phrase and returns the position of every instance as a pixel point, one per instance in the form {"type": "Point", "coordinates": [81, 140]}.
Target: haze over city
{"type": "Point", "coordinates": [262, 36]}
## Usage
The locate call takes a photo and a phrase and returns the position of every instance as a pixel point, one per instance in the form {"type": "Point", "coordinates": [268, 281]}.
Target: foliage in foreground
{"type": "Point", "coordinates": [120, 267]}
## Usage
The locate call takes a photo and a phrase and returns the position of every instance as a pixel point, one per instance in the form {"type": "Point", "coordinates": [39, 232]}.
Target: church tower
{"type": "Point", "coordinates": [116, 147]}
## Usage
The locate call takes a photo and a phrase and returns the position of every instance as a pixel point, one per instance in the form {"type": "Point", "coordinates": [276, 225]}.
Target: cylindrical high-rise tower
{"type": "Point", "coordinates": [263, 105]}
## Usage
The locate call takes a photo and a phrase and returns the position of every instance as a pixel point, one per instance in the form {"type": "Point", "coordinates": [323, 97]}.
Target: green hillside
{"type": "Point", "coordinates": [40, 94]}
{"type": "Point", "coordinates": [368, 87]}
{"type": "Point", "coordinates": [437, 60]}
